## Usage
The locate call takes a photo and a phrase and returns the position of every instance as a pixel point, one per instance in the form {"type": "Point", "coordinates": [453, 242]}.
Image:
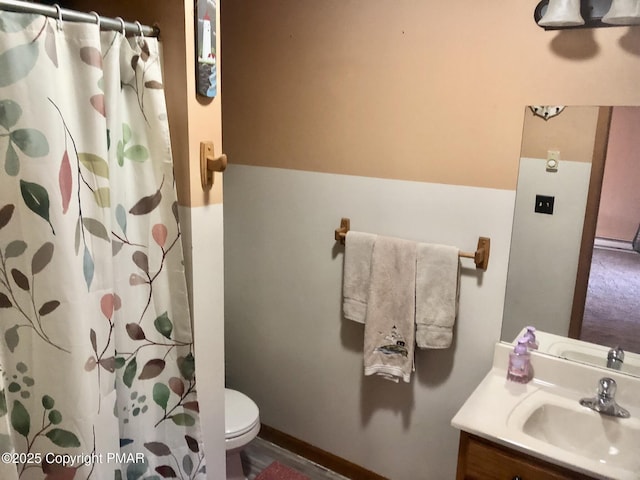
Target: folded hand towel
{"type": "Point", "coordinates": [437, 279]}
{"type": "Point", "coordinates": [389, 332]}
{"type": "Point", "coordinates": [357, 271]}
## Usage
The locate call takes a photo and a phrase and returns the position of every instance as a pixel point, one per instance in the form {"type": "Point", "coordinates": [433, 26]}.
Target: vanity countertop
{"type": "Point", "coordinates": [531, 417]}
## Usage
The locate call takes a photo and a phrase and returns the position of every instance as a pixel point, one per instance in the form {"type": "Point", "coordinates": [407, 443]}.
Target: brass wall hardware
{"type": "Point", "coordinates": [480, 256]}
{"type": "Point", "coordinates": [210, 164]}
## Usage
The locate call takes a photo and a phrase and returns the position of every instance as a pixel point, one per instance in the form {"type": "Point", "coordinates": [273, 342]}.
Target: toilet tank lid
{"type": "Point", "coordinates": [241, 413]}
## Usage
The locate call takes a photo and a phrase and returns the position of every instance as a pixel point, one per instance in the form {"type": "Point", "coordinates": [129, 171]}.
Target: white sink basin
{"type": "Point", "coordinates": [584, 432]}
{"type": "Point", "coordinates": [544, 418]}
{"type": "Point", "coordinates": [563, 423]}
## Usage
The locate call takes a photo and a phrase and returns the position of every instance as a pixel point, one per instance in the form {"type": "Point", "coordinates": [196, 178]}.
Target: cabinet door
{"type": "Point", "coordinates": [479, 459]}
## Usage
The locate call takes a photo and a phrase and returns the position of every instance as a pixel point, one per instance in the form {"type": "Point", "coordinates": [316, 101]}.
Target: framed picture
{"type": "Point", "coordinates": [207, 75]}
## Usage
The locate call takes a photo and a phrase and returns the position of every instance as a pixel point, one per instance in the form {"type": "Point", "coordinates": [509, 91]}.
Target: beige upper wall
{"type": "Point", "coordinates": [427, 91]}
{"type": "Point", "coordinates": [191, 119]}
{"type": "Point", "coordinates": [572, 133]}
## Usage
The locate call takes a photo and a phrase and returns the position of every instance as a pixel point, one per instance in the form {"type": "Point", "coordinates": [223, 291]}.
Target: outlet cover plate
{"type": "Point", "coordinates": [544, 204]}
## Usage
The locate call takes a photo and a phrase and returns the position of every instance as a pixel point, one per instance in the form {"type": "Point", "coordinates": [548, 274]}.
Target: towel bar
{"type": "Point", "coordinates": [480, 256]}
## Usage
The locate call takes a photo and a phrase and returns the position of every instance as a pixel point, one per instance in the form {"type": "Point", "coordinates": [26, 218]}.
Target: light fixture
{"type": "Point", "coordinates": [623, 12]}
{"type": "Point", "coordinates": [546, 111]}
{"type": "Point", "coordinates": [570, 14]}
{"type": "Point", "coordinates": [562, 13]}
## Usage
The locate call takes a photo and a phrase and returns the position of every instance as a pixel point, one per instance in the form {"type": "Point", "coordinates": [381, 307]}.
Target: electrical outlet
{"type": "Point", "coordinates": [544, 204]}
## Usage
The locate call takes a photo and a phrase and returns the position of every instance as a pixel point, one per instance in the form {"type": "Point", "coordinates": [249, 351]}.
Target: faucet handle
{"type": "Point", "coordinates": [616, 353]}
{"type": "Point", "coordinates": [605, 402]}
{"type": "Point", "coordinates": [607, 388]}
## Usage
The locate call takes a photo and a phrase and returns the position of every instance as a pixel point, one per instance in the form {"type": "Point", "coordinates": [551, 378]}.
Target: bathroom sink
{"type": "Point", "coordinates": [584, 432]}
{"type": "Point", "coordinates": [544, 418]}
{"type": "Point", "coordinates": [565, 424]}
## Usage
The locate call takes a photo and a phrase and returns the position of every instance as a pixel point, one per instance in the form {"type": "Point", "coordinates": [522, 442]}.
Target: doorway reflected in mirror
{"type": "Point", "coordinates": [611, 314]}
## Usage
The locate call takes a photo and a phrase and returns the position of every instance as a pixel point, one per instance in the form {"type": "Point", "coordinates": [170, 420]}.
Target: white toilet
{"type": "Point", "coordinates": [241, 425]}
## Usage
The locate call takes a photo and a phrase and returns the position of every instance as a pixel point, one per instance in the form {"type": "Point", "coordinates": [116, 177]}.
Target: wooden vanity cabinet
{"type": "Point", "coordinates": [480, 459]}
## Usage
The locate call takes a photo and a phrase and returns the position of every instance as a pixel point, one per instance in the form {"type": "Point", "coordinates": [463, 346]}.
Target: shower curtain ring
{"type": "Point", "coordinates": [124, 30]}
{"type": "Point", "coordinates": [97, 17]}
{"type": "Point", "coordinates": [140, 32]}
{"type": "Point", "coordinates": [59, 15]}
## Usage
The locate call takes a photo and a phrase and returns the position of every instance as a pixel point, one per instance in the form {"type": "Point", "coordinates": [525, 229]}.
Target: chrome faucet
{"type": "Point", "coordinates": [605, 401]}
{"type": "Point", "coordinates": [615, 358]}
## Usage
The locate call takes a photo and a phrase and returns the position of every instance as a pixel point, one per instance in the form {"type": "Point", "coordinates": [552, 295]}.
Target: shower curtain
{"type": "Point", "coordinates": [96, 349]}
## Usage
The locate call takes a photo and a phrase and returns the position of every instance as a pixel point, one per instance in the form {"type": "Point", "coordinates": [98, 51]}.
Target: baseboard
{"type": "Point", "coordinates": [612, 243]}
{"type": "Point", "coordinates": [317, 455]}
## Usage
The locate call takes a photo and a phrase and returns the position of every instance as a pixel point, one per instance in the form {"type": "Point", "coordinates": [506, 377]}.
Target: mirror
{"type": "Point", "coordinates": [586, 352]}
{"type": "Point", "coordinates": [574, 267]}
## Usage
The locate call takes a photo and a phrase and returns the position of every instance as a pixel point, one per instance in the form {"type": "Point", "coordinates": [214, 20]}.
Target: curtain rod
{"type": "Point", "coordinates": [76, 16]}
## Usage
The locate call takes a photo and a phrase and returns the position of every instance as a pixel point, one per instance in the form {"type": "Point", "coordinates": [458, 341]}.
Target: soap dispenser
{"type": "Point", "coordinates": [520, 370]}
{"type": "Point", "coordinates": [530, 335]}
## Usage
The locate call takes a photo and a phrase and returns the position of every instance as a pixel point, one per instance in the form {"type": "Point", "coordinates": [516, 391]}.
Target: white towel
{"type": "Point", "coordinates": [389, 331]}
{"type": "Point", "coordinates": [437, 291]}
{"type": "Point", "coordinates": [357, 272]}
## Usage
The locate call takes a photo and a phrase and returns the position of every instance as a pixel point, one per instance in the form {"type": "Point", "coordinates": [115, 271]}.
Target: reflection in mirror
{"type": "Point", "coordinates": [586, 352]}
{"type": "Point", "coordinates": [575, 272]}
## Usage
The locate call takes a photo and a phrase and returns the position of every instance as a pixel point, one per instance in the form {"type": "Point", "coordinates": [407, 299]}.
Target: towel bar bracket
{"type": "Point", "coordinates": [480, 256]}
{"type": "Point", "coordinates": [341, 233]}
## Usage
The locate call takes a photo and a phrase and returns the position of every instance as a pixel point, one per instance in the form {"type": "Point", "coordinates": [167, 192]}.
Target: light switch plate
{"type": "Point", "coordinates": [544, 204]}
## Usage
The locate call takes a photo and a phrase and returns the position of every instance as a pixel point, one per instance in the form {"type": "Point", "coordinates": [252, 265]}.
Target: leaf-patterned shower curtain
{"type": "Point", "coordinates": [96, 349]}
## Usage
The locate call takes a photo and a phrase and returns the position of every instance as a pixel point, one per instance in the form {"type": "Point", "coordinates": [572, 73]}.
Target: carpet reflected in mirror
{"type": "Point", "coordinates": [612, 309]}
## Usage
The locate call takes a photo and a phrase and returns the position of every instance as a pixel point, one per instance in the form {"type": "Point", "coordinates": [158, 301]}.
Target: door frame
{"type": "Point", "coordinates": [590, 220]}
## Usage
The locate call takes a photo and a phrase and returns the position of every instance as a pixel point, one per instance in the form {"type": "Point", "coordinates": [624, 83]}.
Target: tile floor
{"type": "Point", "coordinates": [259, 454]}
